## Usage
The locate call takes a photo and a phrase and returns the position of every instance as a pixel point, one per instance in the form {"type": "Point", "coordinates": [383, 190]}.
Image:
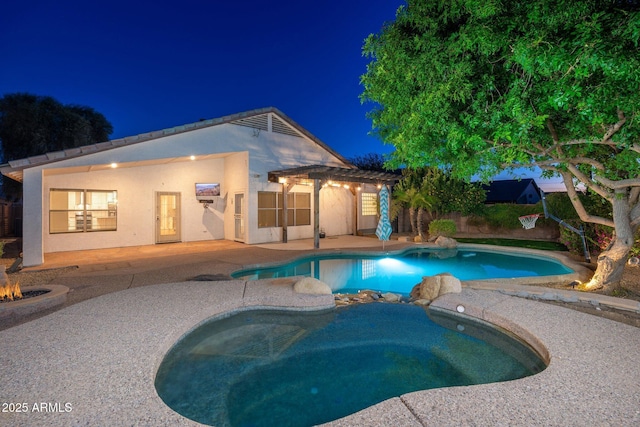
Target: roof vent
{"type": "Point", "coordinates": [260, 121]}
{"type": "Point", "coordinates": [279, 126]}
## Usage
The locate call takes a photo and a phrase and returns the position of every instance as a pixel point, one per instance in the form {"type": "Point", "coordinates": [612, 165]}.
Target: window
{"type": "Point", "coordinates": [270, 208]}
{"type": "Point", "coordinates": [79, 211]}
{"type": "Point", "coordinates": [369, 204]}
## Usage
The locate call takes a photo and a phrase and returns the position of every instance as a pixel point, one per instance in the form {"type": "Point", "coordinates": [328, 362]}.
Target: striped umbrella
{"type": "Point", "coordinates": [384, 225]}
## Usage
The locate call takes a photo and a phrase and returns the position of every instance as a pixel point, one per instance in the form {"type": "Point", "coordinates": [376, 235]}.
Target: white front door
{"type": "Point", "coordinates": [238, 215]}
{"type": "Point", "coordinates": [167, 217]}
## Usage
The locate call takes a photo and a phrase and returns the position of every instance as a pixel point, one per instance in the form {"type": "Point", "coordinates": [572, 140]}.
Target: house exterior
{"type": "Point", "coordinates": [524, 191]}
{"type": "Point", "coordinates": [202, 181]}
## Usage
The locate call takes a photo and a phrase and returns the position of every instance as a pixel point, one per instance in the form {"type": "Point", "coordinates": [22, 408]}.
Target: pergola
{"type": "Point", "coordinates": [318, 176]}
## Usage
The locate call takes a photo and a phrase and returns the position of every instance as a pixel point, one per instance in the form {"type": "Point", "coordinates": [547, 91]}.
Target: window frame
{"type": "Point", "coordinates": [84, 218]}
{"type": "Point", "coordinates": [369, 203]}
{"type": "Point", "coordinates": [298, 209]}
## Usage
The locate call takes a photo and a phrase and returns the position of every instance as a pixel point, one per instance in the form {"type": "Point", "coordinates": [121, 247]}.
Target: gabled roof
{"type": "Point", "coordinates": [508, 190]}
{"type": "Point", "coordinates": [257, 119]}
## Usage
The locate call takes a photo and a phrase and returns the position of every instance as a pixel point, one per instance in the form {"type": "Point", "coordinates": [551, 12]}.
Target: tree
{"type": "Point", "coordinates": [482, 86]}
{"type": "Point", "coordinates": [411, 193]}
{"type": "Point", "coordinates": [452, 194]}
{"type": "Point", "coordinates": [31, 125]}
{"type": "Point", "coordinates": [369, 162]}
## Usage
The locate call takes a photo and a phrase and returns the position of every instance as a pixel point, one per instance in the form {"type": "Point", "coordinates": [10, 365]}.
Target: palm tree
{"type": "Point", "coordinates": [411, 194]}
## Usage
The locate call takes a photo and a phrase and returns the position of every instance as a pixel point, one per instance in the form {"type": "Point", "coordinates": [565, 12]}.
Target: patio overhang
{"type": "Point", "coordinates": [319, 176]}
{"type": "Point", "coordinates": [335, 174]}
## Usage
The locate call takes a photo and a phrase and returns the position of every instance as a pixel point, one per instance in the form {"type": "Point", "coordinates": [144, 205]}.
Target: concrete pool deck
{"type": "Point", "coordinates": [94, 362]}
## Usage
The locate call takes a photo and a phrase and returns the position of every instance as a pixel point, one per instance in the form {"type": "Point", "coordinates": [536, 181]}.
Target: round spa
{"type": "Point", "coordinates": [293, 368]}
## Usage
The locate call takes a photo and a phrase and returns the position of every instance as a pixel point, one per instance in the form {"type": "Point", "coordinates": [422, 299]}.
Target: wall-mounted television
{"type": "Point", "coordinates": [207, 191]}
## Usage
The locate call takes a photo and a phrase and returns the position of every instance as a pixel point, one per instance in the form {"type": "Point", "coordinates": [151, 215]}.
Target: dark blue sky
{"type": "Point", "coordinates": [150, 65]}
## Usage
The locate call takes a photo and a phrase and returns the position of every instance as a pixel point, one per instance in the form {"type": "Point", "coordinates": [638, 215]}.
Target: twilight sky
{"type": "Point", "coordinates": [150, 65]}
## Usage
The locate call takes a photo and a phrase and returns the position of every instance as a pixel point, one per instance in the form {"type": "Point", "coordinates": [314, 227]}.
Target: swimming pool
{"type": "Point", "coordinates": [266, 367]}
{"type": "Point", "coordinates": [400, 272]}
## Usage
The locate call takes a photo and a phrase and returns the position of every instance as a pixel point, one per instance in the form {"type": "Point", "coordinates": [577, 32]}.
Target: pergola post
{"type": "Point", "coordinates": [285, 210]}
{"type": "Point", "coordinates": [316, 213]}
{"type": "Point", "coordinates": [285, 213]}
{"type": "Point", "coordinates": [355, 193]}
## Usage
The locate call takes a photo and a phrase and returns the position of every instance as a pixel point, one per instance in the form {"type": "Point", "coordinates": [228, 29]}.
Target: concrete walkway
{"type": "Point", "coordinates": [94, 362]}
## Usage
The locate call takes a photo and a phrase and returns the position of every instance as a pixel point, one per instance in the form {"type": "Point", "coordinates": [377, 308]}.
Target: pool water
{"type": "Point", "coordinates": [283, 368]}
{"type": "Point", "coordinates": [400, 273]}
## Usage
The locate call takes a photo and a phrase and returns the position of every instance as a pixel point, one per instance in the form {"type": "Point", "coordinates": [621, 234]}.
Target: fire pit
{"type": "Point", "coordinates": [48, 296]}
{"type": "Point", "coordinates": [16, 302]}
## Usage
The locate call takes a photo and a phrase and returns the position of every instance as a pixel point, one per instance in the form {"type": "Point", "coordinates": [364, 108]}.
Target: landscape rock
{"type": "Point", "coordinates": [449, 284]}
{"type": "Point", "coordinates": [309, 285]}
{"type": "Point", "coordinates": [391, 297]}
{"type": "Point", "coordinates": [446, 242]}
{"type": "Point", "coordinates": [432, 287]}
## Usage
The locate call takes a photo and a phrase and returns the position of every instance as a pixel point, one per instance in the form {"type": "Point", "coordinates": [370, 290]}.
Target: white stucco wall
{"type": "Point", "coordinates": [136, 211]}
{"type": "Point", "coordinates": [236, 180]}
{"type": "Point", "coordinates": [336, 211]}
{"type": "Point", "coordinates": [236, 156]}
{"type": "Point", "coordinates": [32, 217]}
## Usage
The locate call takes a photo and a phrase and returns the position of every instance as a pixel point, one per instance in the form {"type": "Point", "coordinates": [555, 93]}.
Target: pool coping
{"type": "Point", "coordinates": [101, 357]}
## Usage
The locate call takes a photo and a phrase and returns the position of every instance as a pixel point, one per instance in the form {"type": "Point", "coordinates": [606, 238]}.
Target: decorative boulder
{"type": "Point", "coordinates": [449, 284]}
{"type": "Point", "coordinates": [309, 285]}
{"type": "Point", "coordinates": [432, 287]}
{"type": "Point", "coordinates": [446, 242]}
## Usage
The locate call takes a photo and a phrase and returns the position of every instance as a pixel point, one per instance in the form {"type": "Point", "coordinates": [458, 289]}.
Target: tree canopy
{"type": "Point", "coordinates": [32, 125]}
{"type": "Point", "coordinates": [484, 85]}
{"type": "Point", "coordinates": [369, 161]}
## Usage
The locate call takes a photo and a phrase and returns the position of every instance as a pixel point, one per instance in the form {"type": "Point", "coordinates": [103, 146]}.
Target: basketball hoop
{"type": "Point", "coordinates": [529, 221]}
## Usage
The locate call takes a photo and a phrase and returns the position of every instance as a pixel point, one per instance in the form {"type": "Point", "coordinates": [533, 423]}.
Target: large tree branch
{"type": "Point", "coordinates": [552, 130]}
{"type": "Point", "coordinates": [588, 161]}
{"type": "Point", "coordinates": [616, 127]}
{"type": "Point", "coordinates": [606, 139]}
{"type": "Point", "coordinates": [617, 185]}
{"type": "Point", "coordinates": [589, 182]}
{"type": "Point", "coordinates": [577, 203]}
{"type": "Point", "coordinates": [634, 216]}
{"type": "Point", "coordinates": [634, 196]}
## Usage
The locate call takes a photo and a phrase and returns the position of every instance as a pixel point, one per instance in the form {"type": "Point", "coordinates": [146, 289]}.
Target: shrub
{"type": "Point", "coordinates": [572, 240]}
{"type": "Point", "coordinates": [598, 238]}
{"type": "Point", "coordinates": [442, 227]}
{"type": "Point", "coordinates": [505, 215]}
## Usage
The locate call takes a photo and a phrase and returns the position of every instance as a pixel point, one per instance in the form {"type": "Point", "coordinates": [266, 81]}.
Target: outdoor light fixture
{"type": "Point", "coordinates": [192, 157]}
{"type": "Point", "coordinates": [282, 180]}
{"type": "Point", "coordinates": [460, 308]}
{"type": "Point", "coordinates": [114, 165]}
